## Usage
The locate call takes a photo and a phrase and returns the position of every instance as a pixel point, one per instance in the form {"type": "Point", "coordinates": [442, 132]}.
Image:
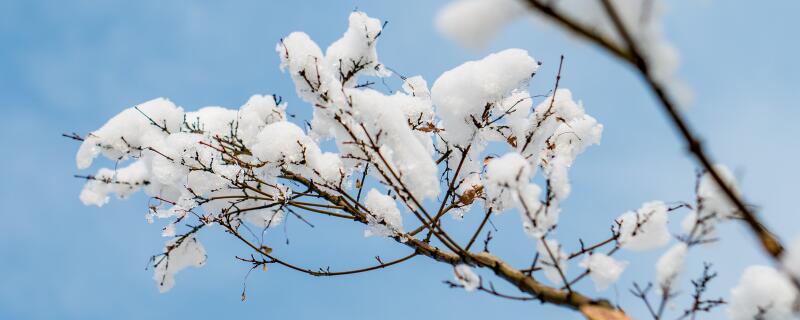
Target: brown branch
{"type": "Point", "coordinates": [588, 33]}
{"type": "Point", "coordinates": [491, 290]}
{"type": "Point", "coordinates": [480, 228]}
{"type": "Point", "coordinates": [632, 55]}
{"type": "Point", "coordinates": [325, 273]}
{"type": "Point", "coordinates": [584, 250]}
{"type": "Point", "coordinates": [768, 241]}
{"type": "Point", "coordinates": [450, 187]}
{"type": "Point", "coordinates": [524, 282]}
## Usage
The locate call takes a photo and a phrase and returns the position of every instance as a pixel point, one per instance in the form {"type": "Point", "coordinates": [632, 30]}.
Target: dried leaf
{"type": "Point", "coordinates": [512, 140]}
{"type": "Point", "coordinates": [430, 127]}
{"type": "Point", "coordinates": [469, 196]}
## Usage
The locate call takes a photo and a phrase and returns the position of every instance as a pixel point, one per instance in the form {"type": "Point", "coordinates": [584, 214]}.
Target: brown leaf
{"type": "Point", "coordinates": [512, 140]}
{"type": "Point", "coordinates": [429, 128]}
{"type": "Point", "coordinates": [469, 196]}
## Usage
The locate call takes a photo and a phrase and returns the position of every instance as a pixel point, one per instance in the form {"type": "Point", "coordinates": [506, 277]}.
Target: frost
{"type": "Point", "coordinates": [762, 293]}
{"type": "Point", "coordinates": [670, 265]}
{"type": "Point", "coordinates": [552, 258]}
{"type": "Point", "coordinates": [644, 229]}
{"type": "Point", "coordinates": [466, 277]}
{"type": "Point", "coordinates": [603, 270]}
{"type": "Point", "coordinates": [177, 256]}
{"type": "Point", "coordinates": [384, 219]}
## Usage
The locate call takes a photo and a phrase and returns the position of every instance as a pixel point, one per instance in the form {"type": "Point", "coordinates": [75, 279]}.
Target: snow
{"type": "Point", "coordinates": [355, 52]}
{"type": "Point", "coordinates": [188, 253]}
{"type": "Point", "coordinates": [169, 230]}
{"type": "Point", "coordinates": [714, 200]}
{"type": "Point", "coordinates": [122, 182]}
{"type": "Point", "coordinates": [387, 124]}
{"type": "Point", "coordinates": [791, 259]}
{"type": "Point", "coordinates": [384, 219]}
{"type": "Point", "coordinates": [130, 129]}
{"type": "Point", "coordinates": [713, 206]}
{"type": "Point", "coordinates": [762, 291]}
{"type": "Point", "coordinates": [257, 112]}
{"type": "Point", "coordinates": [505, 176]}
{"type": "Point", "coordinates": [213, 121]}
{"type": "Point", "coordinates": [536, 218]}
{"type": "Point", "coordinates": [570, 140]}
{"type": "Point", "coordinates": [507, 185]}
{"type": "Point", "coordinates": [466, 277]}
{"type": "Point", "coordinates": [417, 86]}
{"type": "Point", "coordinates": [281, 142]}
{"type": "Point", "coordinates": [472, 23]}
{"type": "Point", "coordinates": [302, 58]}
{"type": "Point", "coordinates": [670, 265]}
{"type": "Point", "coordinates": [603, 270]}
{"type": "Point", "coordinates": [176, 156]}
{"type": "Point", "coordinates": [555, 134]}
{"type": "Point", "coordinates": [551, 264]}
{"type": "Point", "coordinates": [179, 147]}
{"type": "Point", "coordinates": [462, 93]}
{"type": "Point", "coordinates": [644, 229]}
{"type": "Point", "coordinates": [265, 218]}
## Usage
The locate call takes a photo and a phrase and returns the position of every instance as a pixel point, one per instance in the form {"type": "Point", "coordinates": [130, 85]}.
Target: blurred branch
{"type": "Point", "coordinates": [632, 55]}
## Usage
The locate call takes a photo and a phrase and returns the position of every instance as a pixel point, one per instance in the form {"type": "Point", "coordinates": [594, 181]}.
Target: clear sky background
{"type": "Point", "coordinates": [69, 65]}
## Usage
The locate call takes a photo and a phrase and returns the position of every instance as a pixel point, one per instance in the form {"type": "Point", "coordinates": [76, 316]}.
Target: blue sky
{"type": "Point", "coordinates": [69, 65]}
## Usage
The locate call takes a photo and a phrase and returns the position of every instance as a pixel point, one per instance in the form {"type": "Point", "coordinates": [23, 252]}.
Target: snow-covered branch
{"type": "Point", "coordinates": [402, 161]}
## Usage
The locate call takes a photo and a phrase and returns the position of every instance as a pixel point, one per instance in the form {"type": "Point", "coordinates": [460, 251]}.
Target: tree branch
{"type": "Point", "coordinates": [632, 55]}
